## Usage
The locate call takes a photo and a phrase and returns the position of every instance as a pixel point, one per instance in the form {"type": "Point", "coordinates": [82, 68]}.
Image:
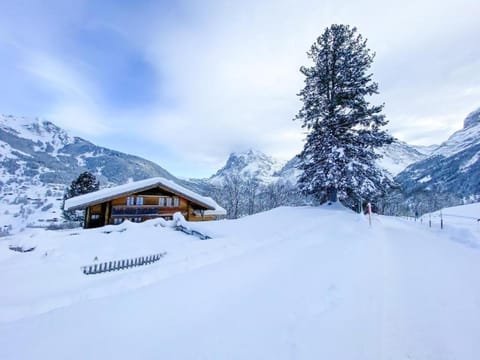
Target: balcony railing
{"type": "Point", "coordinates": [143, 210]}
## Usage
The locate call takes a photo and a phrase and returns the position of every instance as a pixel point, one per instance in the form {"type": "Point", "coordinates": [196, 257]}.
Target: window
{"type": "Point", "coordinates": [130, 200]}
{"type": "Point", "coordinates": [176, 202]}
{"type": "Point", "coordinates": [117, 221]}
{"type": "Point", "coordinates": [95, 217]}
{"type": "Point", "coordinates": [169, 202]}
{"type": "Point", "coordinates": [161, 201]}
{"type": "Point", "coordinates": [139, 200]}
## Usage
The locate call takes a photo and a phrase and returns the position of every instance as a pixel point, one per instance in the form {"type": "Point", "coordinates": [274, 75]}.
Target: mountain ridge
{"type": "Point", "coordinates": [39, 159]}
{"type": "Point", "coordinates": [449, 175]}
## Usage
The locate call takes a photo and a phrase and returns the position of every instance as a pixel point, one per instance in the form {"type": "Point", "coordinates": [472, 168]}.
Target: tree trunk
{"type": "Point", "coordinates": [332, 195]}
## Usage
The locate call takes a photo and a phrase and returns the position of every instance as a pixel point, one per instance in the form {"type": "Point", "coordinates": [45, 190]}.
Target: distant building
{"type": "Point", "coordinates": [143, 200]}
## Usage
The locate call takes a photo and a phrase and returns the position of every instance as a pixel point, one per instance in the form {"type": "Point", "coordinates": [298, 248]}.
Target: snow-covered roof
{"type": "Point", "coordinates": [219, 211]}
{"type": "Point", "coordinates": [107, 194]}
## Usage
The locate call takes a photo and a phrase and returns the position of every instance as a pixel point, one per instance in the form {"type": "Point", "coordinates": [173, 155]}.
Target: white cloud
{"type": "Point", "coordinates": [75, 107]}
{"type": "Point", "coordinates": [234, 70]}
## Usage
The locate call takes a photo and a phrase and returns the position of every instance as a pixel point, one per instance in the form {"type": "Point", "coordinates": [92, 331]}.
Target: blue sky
{"type": "Point", "coordinates": [184, 83]}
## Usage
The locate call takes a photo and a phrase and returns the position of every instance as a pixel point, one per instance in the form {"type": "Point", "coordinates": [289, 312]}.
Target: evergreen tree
{"type": "Point", "coordinates": [338, 159]}
{"type": "Point", "coordinates": [84, 184]}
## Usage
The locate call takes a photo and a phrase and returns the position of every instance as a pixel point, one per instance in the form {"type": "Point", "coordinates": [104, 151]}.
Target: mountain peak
{"type": "Point", "coordinates": [248, 153]}
{"type": "Point", "coordinates": [472, 119]}
{"type": "Point", "coordinates": [35, 129]}
{"type": "Point", "coordinates": [250, 163]}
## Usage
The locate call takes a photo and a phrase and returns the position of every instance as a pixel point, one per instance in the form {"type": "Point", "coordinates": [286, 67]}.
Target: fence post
{"type": "Point", "coordinates": [441, 220]}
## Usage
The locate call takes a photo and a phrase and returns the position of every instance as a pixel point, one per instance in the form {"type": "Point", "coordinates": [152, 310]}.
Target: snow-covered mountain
{"type": "Point", "coordinates": [268, 170]}
{"type": "Point", "coordinates": [449, 175]}
{"type": "Point", "coordinates": [38, 159]}
{"type": "Point", "coordinates": [398, 155]}
{"type": "Point", "coordinates": [251, 163]}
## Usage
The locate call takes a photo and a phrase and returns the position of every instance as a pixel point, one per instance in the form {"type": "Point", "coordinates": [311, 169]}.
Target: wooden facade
{"type": "Point", "coordinates": [143, 200]}
{"type": "Point", "coordinates": [144, 205]}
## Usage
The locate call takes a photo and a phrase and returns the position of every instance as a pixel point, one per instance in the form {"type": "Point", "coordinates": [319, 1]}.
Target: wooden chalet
{"type": "Point", "coordinates": [143, 200]}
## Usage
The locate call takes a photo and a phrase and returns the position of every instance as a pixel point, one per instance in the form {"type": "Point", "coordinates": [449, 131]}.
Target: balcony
{"type": "Point", "coordinates": [143, 211]}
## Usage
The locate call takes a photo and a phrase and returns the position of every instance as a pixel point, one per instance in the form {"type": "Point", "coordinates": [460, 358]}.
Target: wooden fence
{"type": "Point", "coordinates": [21, 248]}
{"type": "Point", "coordinates": [121, 264]}
{"type": "Point", "coordinates": [441, 219]}
{"type": "Point", "coordinates": [189, 231]}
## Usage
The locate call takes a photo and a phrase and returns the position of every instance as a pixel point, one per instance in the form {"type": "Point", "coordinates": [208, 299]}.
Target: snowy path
{"type": "Point", "coordinates": [323, 286]}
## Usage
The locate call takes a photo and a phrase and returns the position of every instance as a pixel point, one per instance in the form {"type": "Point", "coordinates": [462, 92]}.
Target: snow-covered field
{"type": "Point", "coordinates": [291, 283]}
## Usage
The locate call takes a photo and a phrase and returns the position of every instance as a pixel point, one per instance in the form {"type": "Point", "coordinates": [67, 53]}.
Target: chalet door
{"type": "Point", "coordinates": [97, 220]}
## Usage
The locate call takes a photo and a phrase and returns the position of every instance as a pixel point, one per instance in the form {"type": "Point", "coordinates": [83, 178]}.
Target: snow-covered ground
{"type": "Point", "coordinates": [291, 283]}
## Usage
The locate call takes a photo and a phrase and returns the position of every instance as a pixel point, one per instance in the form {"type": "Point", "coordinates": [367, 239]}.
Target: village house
{"type": "Point", "coordinates": [143, 200]}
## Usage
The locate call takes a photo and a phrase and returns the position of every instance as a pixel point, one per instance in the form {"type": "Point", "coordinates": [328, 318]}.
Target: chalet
{"type": "Point", "coordinates": [142, 200]}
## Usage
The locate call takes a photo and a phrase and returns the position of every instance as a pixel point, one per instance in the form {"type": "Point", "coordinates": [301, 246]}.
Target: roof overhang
{"type": "Point", "coordinates": [104, 195]}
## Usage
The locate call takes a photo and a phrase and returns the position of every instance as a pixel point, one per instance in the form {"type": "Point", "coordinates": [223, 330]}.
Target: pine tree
{"type": "Point", "coordinates": [84, 184]}
{"type": "Point", "coordinates": [343, 129]}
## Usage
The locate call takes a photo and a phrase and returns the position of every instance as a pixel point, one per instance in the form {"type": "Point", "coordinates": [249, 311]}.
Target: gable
{"type": "Point", "coordinates": [139, 187]}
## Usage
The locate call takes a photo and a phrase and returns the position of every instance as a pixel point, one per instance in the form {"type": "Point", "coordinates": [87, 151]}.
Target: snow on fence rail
{"type": "Point", "coordinates": [189, 231]}
{"type": "Point", "coordinates": [180, 224]}
{"type": "Point", "coordinates": [21, 248]}
{"type": "Point", "coordinates": [121, 264]}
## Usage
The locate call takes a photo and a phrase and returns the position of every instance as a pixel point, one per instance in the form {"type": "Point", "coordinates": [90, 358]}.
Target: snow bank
{"type": "Point", "coordinates": [291, 283]}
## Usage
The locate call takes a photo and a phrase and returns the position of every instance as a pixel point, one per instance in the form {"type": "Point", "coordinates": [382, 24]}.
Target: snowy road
{"type": "Point", "coordinates": [322, 285]}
